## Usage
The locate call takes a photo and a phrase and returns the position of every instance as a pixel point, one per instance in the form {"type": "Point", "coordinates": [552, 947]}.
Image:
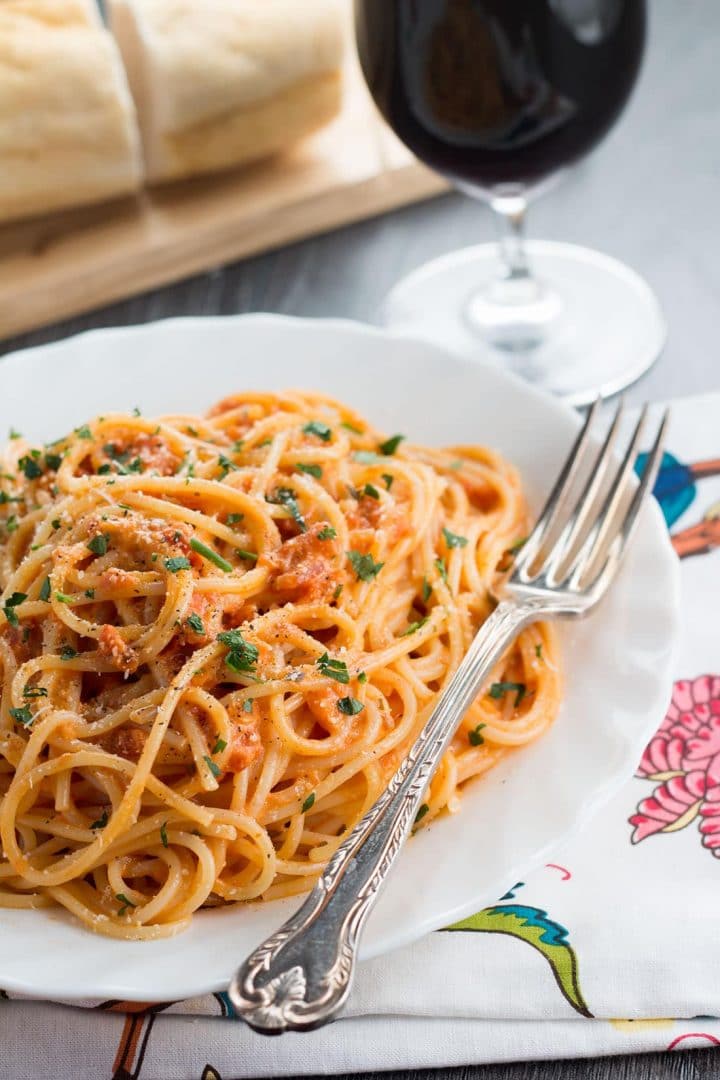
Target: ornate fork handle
{"type": "Point", "coordinates": [300, 977]}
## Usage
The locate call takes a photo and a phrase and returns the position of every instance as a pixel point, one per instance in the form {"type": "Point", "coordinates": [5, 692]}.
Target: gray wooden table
{"type": "Point", "coordinates": [648, 196]}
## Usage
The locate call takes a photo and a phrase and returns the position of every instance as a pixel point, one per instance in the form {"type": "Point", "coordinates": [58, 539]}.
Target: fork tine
{"type": "Point", "coordinates": [605, 525]}
{"type": "Point", "coordinates": [562, 486]}
{"type": "Point", "coordinates": [599, 532]}
{"type": "Point", "coordinates": [567, 539]}
{"type": "Point", "coordinates": [627, 526]}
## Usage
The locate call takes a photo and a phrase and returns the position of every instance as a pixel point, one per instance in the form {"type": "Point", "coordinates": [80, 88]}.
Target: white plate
{"type": "Point", "coordinates": [617, 662]}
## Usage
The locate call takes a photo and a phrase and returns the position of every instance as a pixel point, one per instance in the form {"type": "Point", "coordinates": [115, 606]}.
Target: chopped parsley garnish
{"type": "Point", "coordinates": [453, 540]}
{"type": "Point", "coordinates": [351, 427]}
{"type": "Point", "coordinates": [219, 746]}
{"type": "Point", "coordinates": [13, 434]}
{"type": "Point", "coordinates": [371, 492]}
{"type": "Point", "coordinates": [350, 706]}
{"type": "Point", "coordinates": [241, 656]}
{"type": "Point", "coordinates": [44, 593]}
{"type": "Point", "coordinates": [225, 466]}
{"type": "Point", "coordinates": [499, 689]}
{"type": "Point", "coordinates": [53, 461]}
{"type": "Point", "coordinates": [327, 533]}
{"type": "Point", "coordinates": [237, 446]}
{"type": "Point", "coordinates": [388, 478]}
{"type": "Point", "coordinates": [56, 523]}
{"type": "Point", "coordinates": [212, 766]}
{"type": "Point", "coordinates": [10, 604]}
{"type": "Point", "coordinates": [334, 669]}
{"type": "Point", "coordinates": [177, 562]}
{"type": "Point", "coordinates": [316, 427]}
{"type": "Point", "coordinates": [538, 651]}
{"type": "Point", "coordinates": [366, 457]}
{"type": "Point", "coordinates": [30, 467]}
{"type": "Point", "coordinates": [34, 691]}
{"type": "Point", "coordinates": [210, 555]}
{"type": "Point", "coordinates": [101, 821]}
{"type": "Point", "coordinates": [136, 411]}
{"type": "Point", "coordinates": [5, 498]}
{"type": "Point", "coordinates": [311, 470]}
{"type": "Point", "coordinates": [424, 809]}
{"type": "Point", "coordinates": [474, 737]}
{"type": "Point", "coordinates": [98, 545]}
{"type": "Point", "coordinates": [362, 677]}
{"type": "Point", "coordinates": [441, 569]}
{"type": "Point", "coordinates": [125, 901]}
{"type": "Point", "coordinates": [68, 653]}
{"type": "Point", "coordinates": [83, 432]}
{"type": "Point", "coordinates": [426, 590]}
{"type": "Point", "coordinates": [195, 623]}
{"type": "Point", "coordinates": [249, 556]}
{"type": "Point", "coordinates": [389, 447]}
{"type": "Point", "coordinates": [121, 460]}
{"type": "Point", "coordinates": [286, 497]}
{"type": "Point", "coordinates": [90, 594]}
{"type": "Point", "coordinates": [163, 834]}
{"type": "Point", "coordinates": [233, 519]}
{"type": "Point", "coordinates": [309, 803]}
{"type": "Point", "coordinates": [338, 592]}
{"type": "Point", "coordinates": [22, 716]}
{"type": "Point", "coordinates": [63, 598]}
{"type": "Point", "coordinates": [248, 705]}
{"type": "Point", "coordinates": [192, 431]}
{"type": "Point", "coordinates": [364, 565]}
{"type": "Point", "coordinates": [11, 524]}
{"type": "Point", "coordinates": [414, 626]}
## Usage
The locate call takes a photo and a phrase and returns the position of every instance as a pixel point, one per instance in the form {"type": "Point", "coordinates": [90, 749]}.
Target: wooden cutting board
{"type": "Point", "coordinates": [59, 266]}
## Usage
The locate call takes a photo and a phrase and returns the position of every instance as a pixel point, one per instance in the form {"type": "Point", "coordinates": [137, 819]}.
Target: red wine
{"type": "Point", "coordinates": [495, 92]}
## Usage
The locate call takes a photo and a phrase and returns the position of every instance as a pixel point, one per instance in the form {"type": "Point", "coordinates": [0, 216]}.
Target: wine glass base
{"type": "Point", "coordinates": [606, 330]}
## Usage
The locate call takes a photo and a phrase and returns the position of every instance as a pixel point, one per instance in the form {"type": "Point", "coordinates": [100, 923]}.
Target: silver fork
{"type": "Point", "coordinates": [300, 977]}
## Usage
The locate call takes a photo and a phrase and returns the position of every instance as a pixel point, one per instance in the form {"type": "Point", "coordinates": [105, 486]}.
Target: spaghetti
{"type": "Point", "coordinates": [220, 636]}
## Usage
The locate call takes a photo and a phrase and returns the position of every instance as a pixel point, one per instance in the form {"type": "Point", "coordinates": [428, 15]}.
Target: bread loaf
{"type": "Point", "coordinates": [224, 82]}
{"type": "Point", "coordinates": [68, 133]}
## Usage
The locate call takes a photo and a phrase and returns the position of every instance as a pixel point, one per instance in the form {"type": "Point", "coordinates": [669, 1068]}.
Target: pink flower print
{"type": "Point", "coordinates": [663, 756]}
{"type": "Point", "coordinates": [673, 805]}
{"type": "Point", "coordinates": [705, 743]}
{"type": "Point", "coordinates": [683, 759]}
{"type": "Point", "coordinates": [710, 821]}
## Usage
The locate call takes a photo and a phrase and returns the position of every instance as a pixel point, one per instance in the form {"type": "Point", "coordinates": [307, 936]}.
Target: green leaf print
{"type": "Point", "coordinates": [535, 927]}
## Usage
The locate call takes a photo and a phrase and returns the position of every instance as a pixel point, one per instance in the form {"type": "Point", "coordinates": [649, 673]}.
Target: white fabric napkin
{"type": "Point", "coordinates": [611, 948]}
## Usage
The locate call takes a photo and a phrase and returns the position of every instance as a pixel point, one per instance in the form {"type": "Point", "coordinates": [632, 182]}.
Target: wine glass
{"type": "Point", "coordinates": [499, 95]}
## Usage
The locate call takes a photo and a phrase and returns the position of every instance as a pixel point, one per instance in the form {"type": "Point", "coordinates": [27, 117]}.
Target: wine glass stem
{"type": "Point", "coordinates": [511, 212]}
{"type": "Point", "coordinates": [513, 311]}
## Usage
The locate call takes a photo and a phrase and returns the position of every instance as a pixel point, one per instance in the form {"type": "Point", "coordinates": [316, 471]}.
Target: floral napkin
{"type": "Point", "coordinates": [611, 948]}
